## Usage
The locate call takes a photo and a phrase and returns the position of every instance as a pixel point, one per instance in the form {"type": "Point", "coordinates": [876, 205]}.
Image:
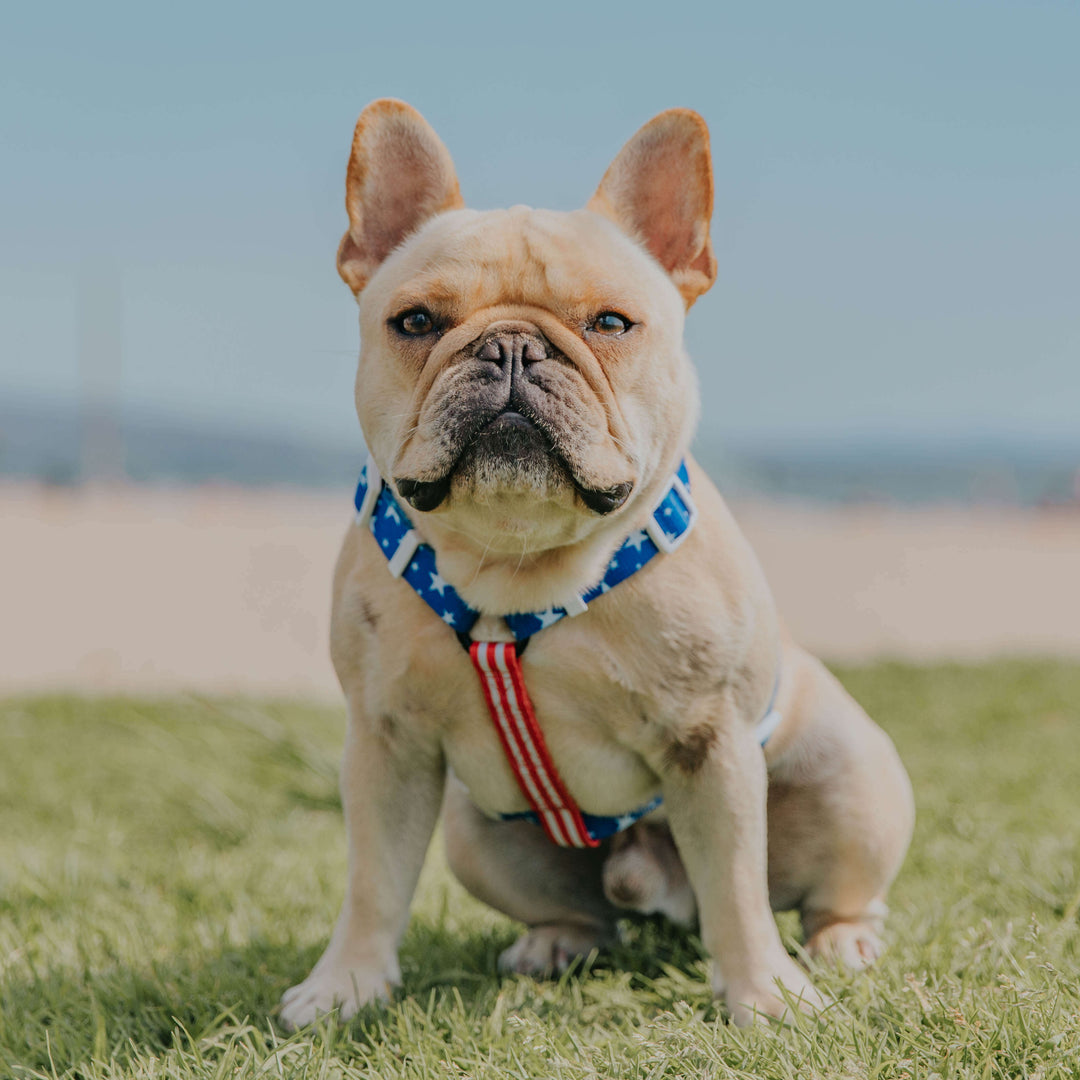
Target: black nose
{"type": "Point", "coordinates": [513, 348]}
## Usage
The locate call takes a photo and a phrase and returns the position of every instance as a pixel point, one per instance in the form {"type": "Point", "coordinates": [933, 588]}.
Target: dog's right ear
{"type": "Point", "coordinates": [400, 174]}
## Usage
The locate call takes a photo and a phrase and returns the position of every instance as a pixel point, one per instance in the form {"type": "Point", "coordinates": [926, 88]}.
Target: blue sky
{"type": "Point", "coordinates": [897, 220]}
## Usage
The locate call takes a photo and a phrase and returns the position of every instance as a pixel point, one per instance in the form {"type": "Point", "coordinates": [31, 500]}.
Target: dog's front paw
{"type": "Point", "coordinates": [332, 987]}
{"type": "Point", "coordinates": [773, 994]}
{"type": "Point", "coordinates": [548, 950]}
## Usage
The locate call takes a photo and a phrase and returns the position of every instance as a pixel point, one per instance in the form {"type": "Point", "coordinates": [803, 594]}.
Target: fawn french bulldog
{"type": "Point", "coordinates": [528, 406]}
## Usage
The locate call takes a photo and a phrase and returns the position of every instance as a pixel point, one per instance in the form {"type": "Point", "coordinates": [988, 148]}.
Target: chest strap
{"type": "Point", "coordinates": [499, 669]}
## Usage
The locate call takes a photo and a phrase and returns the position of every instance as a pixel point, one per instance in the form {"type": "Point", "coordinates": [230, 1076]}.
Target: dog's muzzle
{"type": "Point", "coordinates": [517, 432]}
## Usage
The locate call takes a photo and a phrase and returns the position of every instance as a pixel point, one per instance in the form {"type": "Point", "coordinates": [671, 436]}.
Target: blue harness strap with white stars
{"type": "Point", "coordinates": [413, 561]}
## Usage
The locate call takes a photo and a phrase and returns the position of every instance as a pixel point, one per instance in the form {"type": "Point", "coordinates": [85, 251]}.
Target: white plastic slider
{"type": "Point", "coordinates": [404, 554]}
{"type": "Point", "coordinates": [371, 496]}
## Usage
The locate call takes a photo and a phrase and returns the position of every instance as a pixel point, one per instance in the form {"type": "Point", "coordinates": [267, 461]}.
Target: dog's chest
{"type": "Point", "coordinates": [592, 723]}
{"type": "Point", "coordinates": [597, 719]}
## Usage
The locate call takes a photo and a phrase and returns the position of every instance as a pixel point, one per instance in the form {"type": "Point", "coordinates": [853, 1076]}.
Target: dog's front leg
{"type": "Point", "coordinates": [391, 785]}
{"type": "Point", "coordinates": [714, 783]}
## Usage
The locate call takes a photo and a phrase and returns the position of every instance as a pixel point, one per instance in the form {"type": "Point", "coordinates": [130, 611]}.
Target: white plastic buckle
{"type": "Point", "coordinates": [371, 496]}
{"type": "Point", "coordinates": [404, 554]}
{"type": "Point", "coordinates": [576, 606]}
{"type": "Point", "coordinates": [665, 543]}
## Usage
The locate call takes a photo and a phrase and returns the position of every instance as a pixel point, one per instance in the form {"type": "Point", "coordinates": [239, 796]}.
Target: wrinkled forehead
{"type": "Point", "coordinates": [570, 263]}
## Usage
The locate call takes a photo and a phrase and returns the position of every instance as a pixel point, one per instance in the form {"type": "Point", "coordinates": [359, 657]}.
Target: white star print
{"type": "Point", "coordinates": [624, 822]}
{"type": "Point", "coordinates": [631, 556]}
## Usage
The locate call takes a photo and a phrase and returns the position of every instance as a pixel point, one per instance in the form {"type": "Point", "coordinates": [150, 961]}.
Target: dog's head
{"type": "Point", "coordinates": [522, 378]}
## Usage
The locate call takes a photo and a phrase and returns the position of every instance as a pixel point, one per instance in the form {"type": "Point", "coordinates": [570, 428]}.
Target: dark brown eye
{"type": "Point", "coordinates": [608, 322]}
{"type": "Point", "coordinates": [415, 323]}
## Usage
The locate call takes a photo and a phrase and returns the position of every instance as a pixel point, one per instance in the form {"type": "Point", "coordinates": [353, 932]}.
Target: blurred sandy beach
{"type": "Point", "coordinates": [223, 589]}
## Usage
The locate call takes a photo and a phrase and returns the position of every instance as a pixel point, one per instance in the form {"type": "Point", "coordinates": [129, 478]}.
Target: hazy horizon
{"type": "Point", "coordinates": [60, 445]}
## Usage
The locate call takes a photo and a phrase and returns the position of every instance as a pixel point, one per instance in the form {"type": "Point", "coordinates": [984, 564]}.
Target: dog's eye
{"type": "Point", "coordinates": [415, 323]}
{"type": "Point", "coordinates": [608, 322]}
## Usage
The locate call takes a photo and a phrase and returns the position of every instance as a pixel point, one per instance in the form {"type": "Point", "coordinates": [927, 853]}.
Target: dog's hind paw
{"type": "Point", "coordinates": [549, 949]}
{"type": "Point", "coordinates": [855, 945]}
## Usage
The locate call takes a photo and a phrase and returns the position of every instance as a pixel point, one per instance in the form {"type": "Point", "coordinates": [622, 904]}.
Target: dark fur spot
{"type": "Point", "coordinates": [699, 658]}
{"type": "Point", "coordinates": [623, 892]}
{"type": "Point", "coordinates": [695, 668]}
{"type": "Point", "coordinates": [686, 751]}
{"type": "Point", "coordinates": [367, 613]}
{"type": "Point", "coordinates": [388, 726]}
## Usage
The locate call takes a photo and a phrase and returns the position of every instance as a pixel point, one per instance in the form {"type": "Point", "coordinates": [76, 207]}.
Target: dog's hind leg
{"type": "Point", "coordinates": [513, 866]}
{"type": "Point", "coordinates": [840, 815]}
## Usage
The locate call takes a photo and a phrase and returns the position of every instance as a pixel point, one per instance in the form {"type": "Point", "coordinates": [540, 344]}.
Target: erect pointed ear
{"type": "Point", "coordinates": [660, 190]}
{"type": "Point", "coordinates": [400, 174]}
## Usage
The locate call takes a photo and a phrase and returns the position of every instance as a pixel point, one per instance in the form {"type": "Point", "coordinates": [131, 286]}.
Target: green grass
{"type": "Point", "coordinates": [168, 869]}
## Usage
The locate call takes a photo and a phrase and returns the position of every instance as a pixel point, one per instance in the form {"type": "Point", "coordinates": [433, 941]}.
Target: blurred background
{"type": "Point", "coordinates": [889, 361]}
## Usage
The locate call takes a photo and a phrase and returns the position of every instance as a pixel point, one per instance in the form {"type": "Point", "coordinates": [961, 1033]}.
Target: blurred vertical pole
{"type": "Point", "coordinates": [101, 321]}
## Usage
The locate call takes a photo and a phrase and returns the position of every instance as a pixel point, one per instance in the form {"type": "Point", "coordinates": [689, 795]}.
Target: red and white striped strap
{"type": "Point", "coordinates": [515, 721]}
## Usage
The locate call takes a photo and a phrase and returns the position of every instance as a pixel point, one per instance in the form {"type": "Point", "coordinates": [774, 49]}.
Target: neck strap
{"type": "Point", "coordinates": [407, 558]}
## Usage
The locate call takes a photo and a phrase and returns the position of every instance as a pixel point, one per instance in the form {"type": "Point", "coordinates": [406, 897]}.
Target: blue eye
{"type": "Point", "coordinates": [608, 322]}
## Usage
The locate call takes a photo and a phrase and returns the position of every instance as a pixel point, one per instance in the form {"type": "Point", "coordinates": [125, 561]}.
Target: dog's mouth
{"type": "Point", "coordinates": [512, 442]}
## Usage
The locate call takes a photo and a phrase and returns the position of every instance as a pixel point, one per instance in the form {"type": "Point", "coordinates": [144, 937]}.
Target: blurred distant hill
{"type": "Point", "coordinates": [46, 441]}
{"type": "Point", "coordinates": [904, 472]}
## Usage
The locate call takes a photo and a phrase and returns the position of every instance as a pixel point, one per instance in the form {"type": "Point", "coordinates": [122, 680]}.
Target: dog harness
{"type": "Point", "coordinates": [498, 663]}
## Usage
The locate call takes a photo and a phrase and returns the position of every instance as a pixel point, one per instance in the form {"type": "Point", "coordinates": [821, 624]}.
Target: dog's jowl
{"type": "Point", "coordinates": [546, 623]}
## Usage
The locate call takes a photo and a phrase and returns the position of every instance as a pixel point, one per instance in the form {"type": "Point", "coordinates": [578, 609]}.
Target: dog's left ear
{"type": "Point", "coordinates": [660, 190]}
{"type": "Point", "coordinates": [400, 174]}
